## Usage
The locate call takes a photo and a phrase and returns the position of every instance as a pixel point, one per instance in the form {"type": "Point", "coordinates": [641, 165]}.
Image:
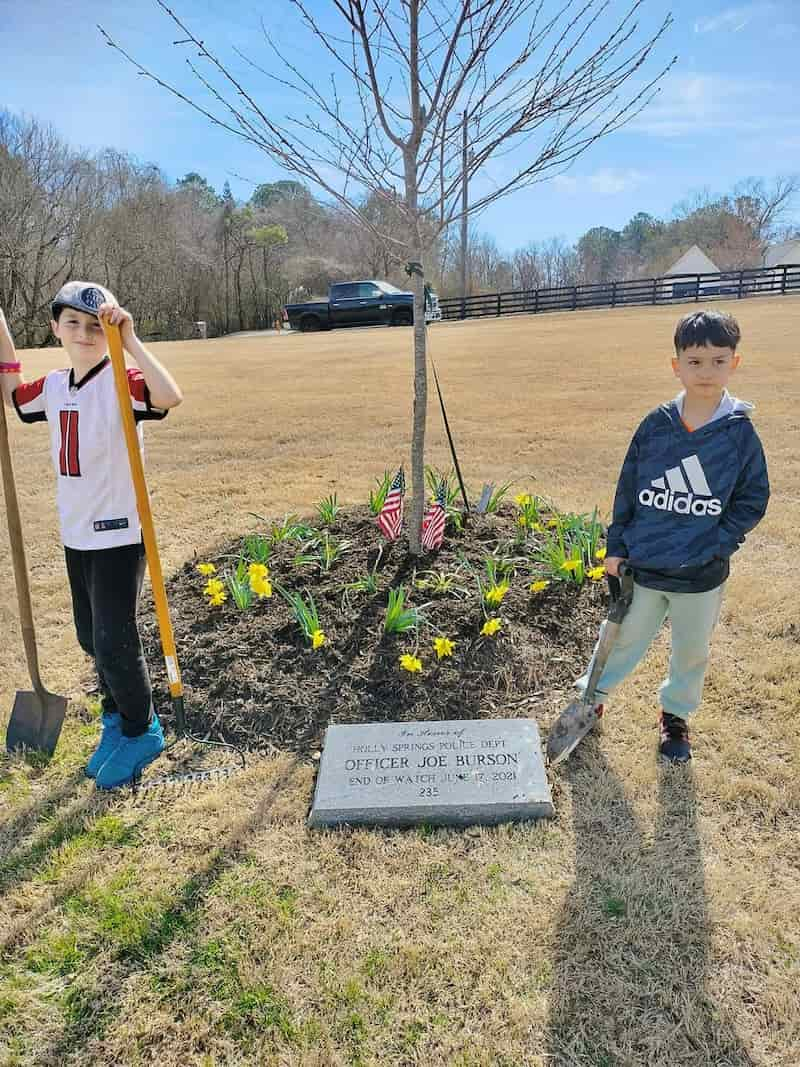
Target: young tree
{"type": "Point", "coordinates": [516, 74]}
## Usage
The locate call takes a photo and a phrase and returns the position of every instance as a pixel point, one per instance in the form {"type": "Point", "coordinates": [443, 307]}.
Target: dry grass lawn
{"type": "Point", "coordinates": [655, 921]}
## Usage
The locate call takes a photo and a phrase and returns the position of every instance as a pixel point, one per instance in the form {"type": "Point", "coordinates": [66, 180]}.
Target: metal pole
{"type": "Point", "coordinates": [464, 204]}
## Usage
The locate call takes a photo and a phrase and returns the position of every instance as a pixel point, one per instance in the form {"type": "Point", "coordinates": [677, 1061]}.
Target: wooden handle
{"type": "Point", "coordinates": [18, 554]}
{"type": "Point", "coordinates": [114, 338]}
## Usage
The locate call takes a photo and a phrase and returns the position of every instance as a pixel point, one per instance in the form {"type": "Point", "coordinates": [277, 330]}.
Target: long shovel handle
{"type": "Point", "coordinates": [19, 561]}
{"type": "Point", "coordinates": [114, 338]}
{"type": "Point", "coordinates": [621, 592]}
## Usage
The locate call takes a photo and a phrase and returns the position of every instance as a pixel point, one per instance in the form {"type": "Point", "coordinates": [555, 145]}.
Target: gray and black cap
{"type": "Point", "coordinates": [83, 296]}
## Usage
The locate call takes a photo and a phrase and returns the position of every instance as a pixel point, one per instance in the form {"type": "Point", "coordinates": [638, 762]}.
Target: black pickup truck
{"type": "Point", "coordinates": [354, 304]}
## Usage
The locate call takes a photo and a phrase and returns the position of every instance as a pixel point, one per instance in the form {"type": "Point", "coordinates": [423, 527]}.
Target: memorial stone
{"type": "Point", "coordinates": [458, 772]}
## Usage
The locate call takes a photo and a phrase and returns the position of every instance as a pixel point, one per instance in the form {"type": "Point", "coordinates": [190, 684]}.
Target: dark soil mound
{"type": "Point", "coordinates": [251, 678]}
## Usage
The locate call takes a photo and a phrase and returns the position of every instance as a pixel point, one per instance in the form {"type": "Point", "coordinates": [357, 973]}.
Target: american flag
{"type": "Point", "coordinates": [435, 518]}
{"type": "Point", "coordinates": [390, 519]}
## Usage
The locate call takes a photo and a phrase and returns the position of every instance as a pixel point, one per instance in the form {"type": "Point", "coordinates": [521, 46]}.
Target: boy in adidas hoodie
{"type": "Point", "coordinates": [693, 484]}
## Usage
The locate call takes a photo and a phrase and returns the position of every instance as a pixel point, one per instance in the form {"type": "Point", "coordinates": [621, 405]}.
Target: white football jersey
{"type": "Point", "coordinates": [94, 489]}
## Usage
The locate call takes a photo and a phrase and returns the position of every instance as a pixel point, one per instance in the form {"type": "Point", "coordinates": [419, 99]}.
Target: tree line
{"type": "Point", "coordinates": [179, 253]}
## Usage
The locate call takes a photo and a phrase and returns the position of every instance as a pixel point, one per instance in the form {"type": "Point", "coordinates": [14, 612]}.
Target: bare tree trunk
{"type": "Point", "coordinates": [267, 302]}
{"type": "Point", "coordinates": [420, 412]}
{"type": "Point", "coordinates": [410, 163]}
{"type": "Point", "coordinates": [464, 210]}
{"type": "Point", "coordinates": [255, 317]}
{"type": "Point", "coordinates": [227, 277]}
{"type": "Point", "coordinates": [238, 281]}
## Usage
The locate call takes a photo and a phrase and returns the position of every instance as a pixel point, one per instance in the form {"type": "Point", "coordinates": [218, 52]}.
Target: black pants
{"type": "Point", "coordinates": [106, 584]}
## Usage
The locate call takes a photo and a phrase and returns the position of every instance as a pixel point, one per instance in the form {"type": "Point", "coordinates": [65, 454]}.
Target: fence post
{"type": "Point", "coordinates": [613, 294]}
{"type": "Point", "coordinates": [498, 304]}
{"type": "Point", "coordinates": [655, 283]}
{"type": "Point", "coordinates": [741, 282]}
{"type": "Point", "coordinates": [463, 308]}
{"type": "Point", "coordinates": [536, 302]}
{"type": "Point", "coordinates": [697, 290]}
{"type": "Point", "coordinates": [574, 297]}
{"type": "Point", "coordinates": [783, 282]}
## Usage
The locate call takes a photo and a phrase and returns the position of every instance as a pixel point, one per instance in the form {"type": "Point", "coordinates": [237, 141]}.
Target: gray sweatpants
{"type": "Point", "coordinates": [693, 617]}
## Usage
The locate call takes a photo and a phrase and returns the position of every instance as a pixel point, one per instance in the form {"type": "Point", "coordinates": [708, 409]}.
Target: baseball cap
{"type": "Point", "coordinates": [83, 296]}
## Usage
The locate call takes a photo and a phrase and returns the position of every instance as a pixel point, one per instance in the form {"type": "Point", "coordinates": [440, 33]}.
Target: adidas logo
{"type": "Point", "coordinates": [684, 490]}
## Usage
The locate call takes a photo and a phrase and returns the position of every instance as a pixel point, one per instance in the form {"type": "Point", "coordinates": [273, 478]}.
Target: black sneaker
{"type": "Point", "coordinates": [674, 744]}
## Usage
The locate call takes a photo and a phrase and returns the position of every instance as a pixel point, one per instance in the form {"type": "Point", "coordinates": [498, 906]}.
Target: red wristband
{"type": "Point", "coordinates": [10, 368]}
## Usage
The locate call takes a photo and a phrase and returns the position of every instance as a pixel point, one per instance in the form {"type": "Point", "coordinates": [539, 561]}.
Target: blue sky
{"type": "Point", "coordinates": [727, 110]}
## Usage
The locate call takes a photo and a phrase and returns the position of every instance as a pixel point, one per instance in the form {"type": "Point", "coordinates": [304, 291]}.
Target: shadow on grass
{"type": "Point", "coordinates": [22, 821]}
{"type": "Point", "coordinates": [24, 857]}
{"type": "Point", "coordinates": [631, 948]}
{"type": "Point", "coordinates": [92, 1008]}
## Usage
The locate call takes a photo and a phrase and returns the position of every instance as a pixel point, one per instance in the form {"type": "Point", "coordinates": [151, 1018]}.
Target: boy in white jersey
{"type": "Point", "coordinates": [99, 521]}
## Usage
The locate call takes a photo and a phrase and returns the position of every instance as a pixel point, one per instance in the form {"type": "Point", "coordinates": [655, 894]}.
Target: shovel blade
{"type": "Point", "coordinates": [572, 725]}
{"type": "Point", "coordinates": [36, 721]}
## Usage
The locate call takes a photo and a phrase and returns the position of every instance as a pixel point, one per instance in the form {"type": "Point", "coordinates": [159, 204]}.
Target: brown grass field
{"type": "Point", "coordinates": [654, 921]}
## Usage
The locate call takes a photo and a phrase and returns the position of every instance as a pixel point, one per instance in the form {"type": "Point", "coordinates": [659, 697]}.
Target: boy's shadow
{"type": "Point", "coordinates": [631, 946]}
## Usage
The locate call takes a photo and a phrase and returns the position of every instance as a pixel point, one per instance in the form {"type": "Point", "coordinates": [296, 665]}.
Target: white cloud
{"type": "Point", "coordinates": [566, 182]}
{"type": "Point", "coordinates": [605, 182]}
{"type": "Point", "coordinates": [703, 103]}
{"type": "Point", "coordinates": [733, 18]}
{"type": "Point", "coordinates": [610, 182]}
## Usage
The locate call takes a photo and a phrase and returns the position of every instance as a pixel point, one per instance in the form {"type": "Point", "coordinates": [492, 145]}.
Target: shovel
{"type": "Point", "coordinates": [37, 717]}
{"type": "Point", "coordinates": [579, 717]}
{"type": "Point", "coordinates": [115, 351]}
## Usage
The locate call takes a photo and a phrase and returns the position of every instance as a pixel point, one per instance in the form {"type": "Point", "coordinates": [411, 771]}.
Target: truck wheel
{"type": "Point", "coordinates": [403, 317]}
{"type": "Point", "coordinates": [310, 324]}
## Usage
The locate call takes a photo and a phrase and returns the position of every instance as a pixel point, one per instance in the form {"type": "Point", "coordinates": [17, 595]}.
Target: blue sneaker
{"type": "Point", "coordinates": [131, 756]}
{"type": "Point", "coordinates": [110, 737]}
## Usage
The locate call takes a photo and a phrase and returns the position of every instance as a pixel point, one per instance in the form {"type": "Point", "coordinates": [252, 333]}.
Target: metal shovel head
{"type": "Point", "coordinates": [572, 725]}
{"type": "Point", "coordinates": [36, 721]}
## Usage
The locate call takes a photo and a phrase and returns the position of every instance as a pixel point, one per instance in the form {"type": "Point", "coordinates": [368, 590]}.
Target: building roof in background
{"type": "Point", "coordinates": [695, 261]}
{"type": "Point", "coordinates": [787, 252]}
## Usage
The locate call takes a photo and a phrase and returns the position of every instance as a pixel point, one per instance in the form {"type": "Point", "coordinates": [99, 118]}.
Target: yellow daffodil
{"type": "Point", "coordinates": [537, 587]}
{"type": "Point", "coordinates": [213, 587]}
{"type": "Point", "coordinates": [596, 573]}
{"type": "Point", "coordinates": [410, 663]}
{"type": "Point", "coordinates": [552, 522]}
{"type": "Point", "coordinates": [570, 565]}
{"type": "Point", "coordinates": [218, 599]}
{"type": "Point", "coordinates": [522, 499]}
{"type": "Point", "coordinates": [600, 553]}
{"type": "Point", "coordinates": [257, 571]}
{"type": "Point", "coordinates": [318, 639]}
{"type": "Point", "coordinates": [522, 521]}
{"type": "Point", "coordinates": [206, 569]}
{"type": "Point", "coordinates": [538, 528]}
{"type": "Point", "coordinates": [496, 593]}
{"type": "Point", "coordinates": [490, 627]}
{"type": "Point", "coordinates": [443, 646]}
{"type": "Point", "coordinates": [262, 587]}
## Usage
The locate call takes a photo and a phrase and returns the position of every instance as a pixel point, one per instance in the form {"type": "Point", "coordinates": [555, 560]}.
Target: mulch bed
{"type": "Point", "coordinates": [251, 678]}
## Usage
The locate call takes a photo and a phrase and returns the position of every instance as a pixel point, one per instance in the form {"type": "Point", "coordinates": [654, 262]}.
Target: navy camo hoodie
{"type": "Point", "coordinates": [686, 500]}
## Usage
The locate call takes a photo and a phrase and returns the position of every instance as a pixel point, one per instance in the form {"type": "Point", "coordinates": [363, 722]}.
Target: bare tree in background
{"type": "Point", "coordinates": [522, 76]}
{"type": "Point", "coordinates": [766, 205]}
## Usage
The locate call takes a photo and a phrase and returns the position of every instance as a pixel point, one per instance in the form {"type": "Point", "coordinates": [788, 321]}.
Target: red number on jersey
{"type": "Point", "coordinates": [68, 461]}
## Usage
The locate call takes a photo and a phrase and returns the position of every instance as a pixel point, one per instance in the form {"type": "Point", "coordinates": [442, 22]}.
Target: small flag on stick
{"type": "Point", "coordinates": [390, 518]}
{"type": "Point", "coordinates": [434, 521]}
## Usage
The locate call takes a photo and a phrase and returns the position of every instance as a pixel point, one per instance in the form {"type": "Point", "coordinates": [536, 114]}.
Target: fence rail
{"type": "Point", "coordinates": [676, 288]}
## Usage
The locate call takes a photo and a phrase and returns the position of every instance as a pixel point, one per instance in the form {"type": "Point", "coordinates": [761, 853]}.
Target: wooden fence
{"type": "Point", "coordinates": [672, 289]}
